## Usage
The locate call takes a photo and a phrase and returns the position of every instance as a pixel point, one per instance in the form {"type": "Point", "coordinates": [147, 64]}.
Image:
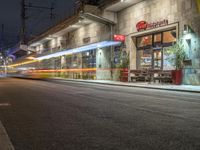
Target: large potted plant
{"type": "Point", "coordinates": [178, 59]}
{"type": "Point", "coordinates": [123, 66]}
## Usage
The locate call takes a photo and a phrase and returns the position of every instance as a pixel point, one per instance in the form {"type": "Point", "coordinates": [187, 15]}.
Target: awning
{"type": "Point", "coordinates": [80, 49]}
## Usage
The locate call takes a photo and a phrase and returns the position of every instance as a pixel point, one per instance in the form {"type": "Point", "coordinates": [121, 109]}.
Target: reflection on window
{"type": "Point", "coordinates": [169, 37]}
{"type": "Point", "coordinates": [144, 41]}
{"type": "Point", "coordinates": [157, 40]}
{"type": "Point", "coordinates": [68, 61]}
{"type": "Point", "coordinates": [76, 61]}
{"type": "Point", "coordinates": [145, 58]}
{"type": "Point", "coordinates": [89, 59]}
{"type": "Point", "coordinates": [157, 55]}
{"type": "Point", "coordinates": [168, 60]}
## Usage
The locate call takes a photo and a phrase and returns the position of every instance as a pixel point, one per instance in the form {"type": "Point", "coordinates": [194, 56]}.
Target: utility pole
{"type": "Point", "coordinates": [2, 38]}
{"type": "Point", "coordinates": [24, 17]}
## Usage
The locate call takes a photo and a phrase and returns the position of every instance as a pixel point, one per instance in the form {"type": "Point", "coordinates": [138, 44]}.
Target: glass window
{"type": "Point", "coordinates": [117, 54]}
{"type": "Point", "coordinates": [68, 61]}
{"type": "Point", "coordinates": [157, 40]}
{"type": "Point", "coordinates": [169, 37]}
{"type": "Point", "coordinates": [157, 55]}
{"type": "Point", "coordinates": [168, 60]}
{"type": "Point", "coordinates": [145, 58]}
{"type": "Point", "coordinates": [151, 50]}
{"type": "Point", "coordinates": [144, 41]}
{"type": "Point", "coordinates": [89, 59]}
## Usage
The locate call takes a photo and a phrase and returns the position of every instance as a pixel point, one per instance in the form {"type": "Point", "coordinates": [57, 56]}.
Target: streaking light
{"type": "Point", "coordinates": [22, 63]}
{"type": "Point", "coordinates": [80, 49]}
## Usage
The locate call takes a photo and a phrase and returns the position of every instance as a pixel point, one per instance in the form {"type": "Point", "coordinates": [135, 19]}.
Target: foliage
{"type": "Point", "coordinates": [124, 60]}
{"type": "Point", "coordinates": [179, 54]}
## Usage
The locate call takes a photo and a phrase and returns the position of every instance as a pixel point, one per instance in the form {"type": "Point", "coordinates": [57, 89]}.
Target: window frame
{"type": "Point", "coordinates": [152, 47]}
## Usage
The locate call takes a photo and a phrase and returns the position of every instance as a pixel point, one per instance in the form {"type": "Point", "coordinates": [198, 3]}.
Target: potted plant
{"type": "Point", "coordinates": [179, 56]}
{"type": "Point", "coordinates": [124, 65]}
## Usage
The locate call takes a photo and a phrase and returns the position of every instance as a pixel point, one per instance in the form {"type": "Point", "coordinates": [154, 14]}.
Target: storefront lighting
{"type": "Point", "coordinates": [30, 58]}
{"type": "Point", "coordinates": [80, 49]}
{"type": "Point", "coordinates": [187, 30]}
{"type": "Point", "coordinates": [49, 38]}
{"type": "Point", "coordinates": [35, 44]}
{"type": "Point", "coordinates": [187, 36]}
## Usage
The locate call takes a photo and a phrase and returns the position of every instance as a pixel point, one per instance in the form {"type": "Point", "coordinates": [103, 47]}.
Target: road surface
{"type": "Point", "coordinates": [41, 115]}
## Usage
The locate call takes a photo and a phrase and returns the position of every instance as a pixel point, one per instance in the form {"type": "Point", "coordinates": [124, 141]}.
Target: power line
{"type": "Point", "coordinates": [24, 17]}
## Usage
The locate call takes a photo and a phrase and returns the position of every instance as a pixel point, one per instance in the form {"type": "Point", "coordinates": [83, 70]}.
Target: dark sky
{"type": "Point", "coordinates": [38, 20]}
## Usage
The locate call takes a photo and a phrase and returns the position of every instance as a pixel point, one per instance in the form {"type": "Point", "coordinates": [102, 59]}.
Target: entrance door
{"type": "Point", "coordinates": [157, 59]}
{"type": "Point", "coordinates": [157, 51]}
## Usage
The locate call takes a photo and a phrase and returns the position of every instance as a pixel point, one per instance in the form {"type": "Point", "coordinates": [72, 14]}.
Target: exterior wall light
{"type": "Point", "coordinates": [187, 29]}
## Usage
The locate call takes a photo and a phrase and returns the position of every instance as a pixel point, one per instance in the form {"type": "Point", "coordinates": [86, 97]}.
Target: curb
{"type": "Point", "coordinates": [116, 84]}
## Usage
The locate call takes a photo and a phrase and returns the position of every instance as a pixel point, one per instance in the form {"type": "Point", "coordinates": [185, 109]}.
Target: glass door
{"type": "Point", "coordinates": [157, 59]}
{"type": "Point", "coordinates": [157, 51]}
{"type": "Point", "coordinates": [144, 54]}
{"type": "Point", "coordinates": [145, 59]}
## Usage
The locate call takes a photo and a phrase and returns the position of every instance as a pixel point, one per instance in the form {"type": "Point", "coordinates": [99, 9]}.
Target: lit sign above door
{"type": "Point", "coordinates": [119, 37]}
{"type": "Point", "coordinates": [143, 25]}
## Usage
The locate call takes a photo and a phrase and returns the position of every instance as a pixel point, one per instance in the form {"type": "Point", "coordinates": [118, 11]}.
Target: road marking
{"type": "Point", "coordinates": [4, 104]}
{"type": "Point", "coordinates": [5, 143]}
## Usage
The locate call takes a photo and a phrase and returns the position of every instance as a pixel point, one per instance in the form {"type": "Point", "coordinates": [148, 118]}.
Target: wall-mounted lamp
{"type": "Point", "coordinates": [187, 29]}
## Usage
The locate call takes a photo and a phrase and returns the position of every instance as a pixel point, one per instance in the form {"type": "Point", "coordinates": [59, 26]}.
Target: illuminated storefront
{"type": "Point", "coordinates": [146, 29]}
{"type": "Point", "coordinates": [152, 27]}
{"type": "Point", "coordinates": [151, 48]}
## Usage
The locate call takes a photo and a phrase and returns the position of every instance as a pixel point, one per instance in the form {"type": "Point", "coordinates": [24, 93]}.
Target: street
{"type": "Point", "coordinates": [44, 115]}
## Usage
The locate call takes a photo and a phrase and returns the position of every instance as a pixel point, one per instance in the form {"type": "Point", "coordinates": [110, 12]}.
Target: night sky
{"type": "Point", "coordinates": [38, 21]}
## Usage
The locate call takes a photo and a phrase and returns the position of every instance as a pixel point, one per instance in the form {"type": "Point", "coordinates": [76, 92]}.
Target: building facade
{"type": "Point", "coordinates": [166, 21]}
{"type": "Point", "coordinates": [150, 27]}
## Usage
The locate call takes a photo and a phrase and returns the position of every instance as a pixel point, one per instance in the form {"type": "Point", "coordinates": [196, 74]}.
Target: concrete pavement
{"type": "Point", "coordinates": [183, 88]}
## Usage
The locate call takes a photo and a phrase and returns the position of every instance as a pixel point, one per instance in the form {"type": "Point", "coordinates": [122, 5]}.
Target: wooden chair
{"type": "Point", "coordinates": [166, 76]}
{"type": "Point", "coordinates": [134, 75]}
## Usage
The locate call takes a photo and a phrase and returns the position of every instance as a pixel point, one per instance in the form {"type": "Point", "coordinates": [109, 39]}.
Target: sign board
{"type": "Point", "coordinates": [143, 25]}
{"type": "Point", "coordinates": [119, 37]}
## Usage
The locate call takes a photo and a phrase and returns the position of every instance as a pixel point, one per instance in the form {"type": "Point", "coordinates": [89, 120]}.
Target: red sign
{"type": "Point", "coordinates": [119, 37]}
{"type": "Point", "coordinates": [143, 25]}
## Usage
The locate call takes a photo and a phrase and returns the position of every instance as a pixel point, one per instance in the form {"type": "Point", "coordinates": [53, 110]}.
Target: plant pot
{"type": "Point", "coordinates": [177, 76]}
{"type": "Point", "coordinates": [124, 75]}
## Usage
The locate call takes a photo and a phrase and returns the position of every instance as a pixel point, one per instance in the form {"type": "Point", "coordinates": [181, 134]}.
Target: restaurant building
{"type": "Point", "coordinates": [93, 43]}
{"type": "Point", "coordinates": [152, 26]}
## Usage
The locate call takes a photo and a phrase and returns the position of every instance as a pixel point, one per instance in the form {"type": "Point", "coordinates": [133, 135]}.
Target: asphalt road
{"type": "Point", "coordinates": [45, 115]}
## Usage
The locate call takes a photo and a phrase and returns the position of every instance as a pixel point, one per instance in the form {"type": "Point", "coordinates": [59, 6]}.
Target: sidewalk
{"type": "Point", "coordinates": [183, 88]}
